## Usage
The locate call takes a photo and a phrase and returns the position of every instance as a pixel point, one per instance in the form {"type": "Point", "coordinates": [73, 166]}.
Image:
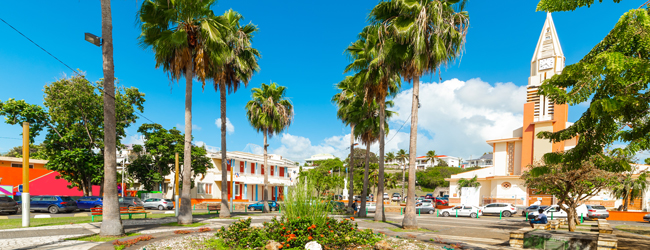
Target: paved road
{"type": "Point", "coordinates": [87, 213]}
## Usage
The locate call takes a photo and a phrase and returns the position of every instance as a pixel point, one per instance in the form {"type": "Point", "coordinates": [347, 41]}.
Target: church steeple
{"type": "Point", "coordinates": [548, 60]}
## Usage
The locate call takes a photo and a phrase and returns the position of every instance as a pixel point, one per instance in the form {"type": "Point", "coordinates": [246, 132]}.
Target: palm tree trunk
{"type": "Point", "coordinates": [266, 177]}
{"type": "Point", "coordinates": [410, 221]}
{"type": "Point", "coordinates": [112, 225]}
{"type": "Point", "coordinates": [351, 167]}
{"type": "Point", "coordinates": [364, 191]}
{"type": "Point", "coordinates": [225, 208]}
{"type": "Point", "coordinates": [379, 213]}
{"type": "Point", "coordinates": [185, 213]}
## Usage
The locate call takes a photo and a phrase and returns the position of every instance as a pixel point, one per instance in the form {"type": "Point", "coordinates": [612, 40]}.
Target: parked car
{"type": "Point", "coordinates": [425, 208]}
{"type": "Point", "coordinates": [419, 199]}
{"type": "Point", "coordinates": [356, 198]}
{"type": "Point", "coordinates": [555, 211]}
{"type": "Point", "coordinates": [386, 196]}
{"type": "Point", "coordinates": [8, 205]}
{"type": "Point", "coordinates": [130, 202]}
{"type": "Point", "coordinates": [160, 204]}
{"type": "Point", "coordinates": [646, 217]}
{"type": "Point", "coordinates": [260, 206]}
{"type": "Point", "coordinates": [429, 196]}
{"type": "Point", "coordinates": [440, 201]}
{"type": "Point", "coordinates": [504, 209]}
{"type": "Point", "coordinates": [371, 207]}
{"type": "Point", "coordinates": [53, 204]}
{"type": "Point", "coordinates": [597, 212]}
{"type": "Point", "coordinates": [88, 202]}
{"type": "Point", "coordinates": [396, 197]}
{"type": "Point", "coordinates": [464, 210]}
{"type": "Point", "coordinates": [532, 208]}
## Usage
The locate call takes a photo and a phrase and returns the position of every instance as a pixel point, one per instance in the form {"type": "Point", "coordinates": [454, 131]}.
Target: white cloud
{"type": "Point", "coordinates": [182, 127]}
{"type": "Point", "coordinates": [207, 147]}
{"type": "Point", "coordinates": [461, 115]}
{"type": "Point", "coordinates": [135, 139]}
{"type": "Point", "coordinates": [229, 127]}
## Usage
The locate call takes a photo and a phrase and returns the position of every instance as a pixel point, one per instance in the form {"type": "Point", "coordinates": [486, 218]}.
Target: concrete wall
{"type": "Point", "coordinates": [500, 155]}
{"type": "Point", "coordinates": [542, 146]}
{"type": "Point", "coordinates": [517, 158]}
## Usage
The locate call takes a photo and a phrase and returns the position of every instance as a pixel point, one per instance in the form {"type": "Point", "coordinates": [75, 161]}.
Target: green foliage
{"type": "Point", "coordinates": [360, 157]}
{"type": "Point", "coordinates": [614, 76]}
{"type": "Point", "coordinates": [334, 164]}
{"type": "Point", "coordinates": [321, 180]}
{"type": "Point", "coordinates": [630, 187]}
{"type": "Point", "coordinates": [156, 159]}
{"type": "Point", "coordinates": [462, 182]}
{"type": "Point", "coordinates": [296, 232]}
{"type": "Point", "coordinates": [269, 111]}
{"type": "Point", "coordinates": [435, 177]}
{"type": "Point", "coordinates": [300, 202]}
{"type": "Point", "coordinates": [35, 152]}
{"type": "Point", "coordinates": [565, 5]}
{"type": "Point", "coordinates": [73, 115]}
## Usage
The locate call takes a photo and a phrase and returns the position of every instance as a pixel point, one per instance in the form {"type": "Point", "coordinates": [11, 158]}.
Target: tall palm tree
{"type": "Point", "coordinates": [378, 83]}
{"type": "Point", "coordinates": [428, 34]}
{"type": "Point", "coordinates": [402, 156]}
{"type": "Point", "coordinates": [179, 32]}
{"type": "Point", "coordinates": [462, 182]}
{"type": "Point", "coordinates": [349, 88]}
{"type": "Point", "coordinates": [390, 157]}
{"type": "Point", "coordinates": [271, 112]}
{"type": "Point", "coordinates": [232, 63]}
{"type": "Point", "coordinates": [112, 225]}
{"type": "Point", "coordinates": [431, 157]}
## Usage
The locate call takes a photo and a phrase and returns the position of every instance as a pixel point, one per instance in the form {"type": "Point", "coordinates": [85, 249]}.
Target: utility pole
{"type": "Point", "coordinates": [176, 204]}
{"type": "Point", "coordinates": [123, 186]}
{"type": "Point", "coordinates": [25, 193]}
{"type": "Point", "coordinates": [232, 184]}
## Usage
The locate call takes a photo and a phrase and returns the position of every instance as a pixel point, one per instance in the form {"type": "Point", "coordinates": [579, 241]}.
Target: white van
{"type": "Point", "coordinates": [555, 211]}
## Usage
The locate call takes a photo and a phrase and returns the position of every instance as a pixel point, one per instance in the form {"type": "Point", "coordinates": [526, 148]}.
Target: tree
{"type": "Point", "coordinates": [421, 36]}
{"type": "Point", "coordinates": [36, 151]}
{"type": "Point", "coordinates": [72, 115]}
{"type": "Point", "coordinates": [572, 186]}
{"type": "Point", "coordinates": [390, 157]}
{"type": "Point", "coordinates": [179, 32]}
{"type": "Point", "coordinates": [270, 112]}
{"type": "Point", "coordinates": [234, 62]}
{"type": "Point", "coordinates": [614, 75]}
{"type": "Point", "coordinates": [432, 156]}
{"type": "Point", "coordinates": [435, 177]}
{"type": "Point", "coordinates": [629, 187]}
{"type": "Point", "coordinates": [470, 183]}
{"type": "Point", "coordinates": [321, 178]}
{"type": "Point", "coordinates": [349, 90]}
{"type": "Point", "coordinates": [402, 156]}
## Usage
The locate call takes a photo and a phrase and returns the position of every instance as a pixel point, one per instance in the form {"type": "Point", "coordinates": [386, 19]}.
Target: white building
{"type": "Point", "coordinates": [246, 171]}
{"type": "Point", "coordinates": [318, 157]}
{"type": "Point", "coordinates": [423, 162]}
{"type": "Point", "coordinates": [483, 161]}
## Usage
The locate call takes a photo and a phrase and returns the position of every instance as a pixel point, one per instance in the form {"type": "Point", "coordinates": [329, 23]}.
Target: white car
{"type": "Point", "coordinates": [396, 197]}
{"type": "Point", "coordinates": [555, 211]}
{"type": "Point", "coordinates": [464, 210]}
{"type": "Point", "coordinates": [505, 209]}
{"type": "Point", "coordinates": [386, 196]}
{"type": "Point", "coordinates": [371, 207]}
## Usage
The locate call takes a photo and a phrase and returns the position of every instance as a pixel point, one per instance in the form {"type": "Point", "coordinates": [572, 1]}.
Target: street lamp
{"type": "Point", "coordinates": [93, 39]}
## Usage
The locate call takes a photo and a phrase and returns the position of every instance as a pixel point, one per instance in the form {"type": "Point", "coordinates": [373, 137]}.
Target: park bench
{"type": "Point", "coordinates": [604, 227]}
{"type": "Point", "coordinates": [98, 211]}
{"type": "Point", "coordinates": [555, 224]}
{"type": "Point", "coordinates": [214, 208]}
{"type": "Point", "coordinates": [546, 226]}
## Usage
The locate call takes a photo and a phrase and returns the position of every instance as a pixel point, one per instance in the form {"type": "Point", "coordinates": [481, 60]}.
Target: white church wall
{"type": "Point", "coordinates": [500, 159]}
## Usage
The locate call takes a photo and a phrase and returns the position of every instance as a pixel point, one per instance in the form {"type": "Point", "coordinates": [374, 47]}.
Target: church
{"type": "Point", "coordinates": [501, 182]}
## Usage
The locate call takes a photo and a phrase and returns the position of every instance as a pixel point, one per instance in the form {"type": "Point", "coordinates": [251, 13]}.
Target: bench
{"type": "Point", "coordinates": [214, 208]}
{"type": "Point", "coordinates": [98, 211]}
{"type": "Point", "coordinates": [555, 224]}
{"type": "Point", "coordinates": [542, 226]}
{"type": "Point", "coordinates": [604, 227]}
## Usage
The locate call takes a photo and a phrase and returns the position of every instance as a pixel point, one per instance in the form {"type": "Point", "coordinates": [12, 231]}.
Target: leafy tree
{"type": "Point", "coordinates": [431, 156]}
{"type": "Point", "coordinates": [322, 179]}
{"type": "Point", "coordinates": [72, 115]}
{"type": "Point", "coordinates": [435, 177]}
{"type": "Point", "coordinates": [420, 37]}
{"type": "Point", "coordinates": [615, 75]}
{"type": "Point", "coordinates": [360, 156]}
{"type": "Point", "coordinates": [462, 183]}
{"type": "Point", "coordinates": [442, 164]}
{"type": "Point", "coordinates": [571, 186]}
{"type": "Point", "coordinates": [647, 161]}
{"type": "Point", "coordinates": [179, 33]}
{"type": "Point", "coordinates": [35, 152]}
{"type": "Point", "coordinates": [390, 157]}
{"type": "Point", "coordinates": [271, 112]}
{"type": "Point", "coordinates": [630, 187]}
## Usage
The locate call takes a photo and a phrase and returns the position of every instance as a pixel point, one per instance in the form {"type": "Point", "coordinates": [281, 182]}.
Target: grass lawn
{"type": "Point", "coordinates": [635, 229]}
{"type": "Point", "coordinates": [97, 238]}
{"type": "Point", "coordinates": [397, 229]}
{"type": "Point", "coordinates": [40, 222]}
{"type": "Point", "coordinates": [175, 224]}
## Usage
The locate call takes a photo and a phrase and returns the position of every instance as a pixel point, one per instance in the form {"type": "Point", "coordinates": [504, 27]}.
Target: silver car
{"type": "Point", "coordinates": [158, 203]}
{"type": "Point", "coordinates": [597, 212]}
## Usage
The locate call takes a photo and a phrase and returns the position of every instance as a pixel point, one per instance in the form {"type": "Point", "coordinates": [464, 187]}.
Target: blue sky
{"type": "Point", "coordinates": [302, 44]}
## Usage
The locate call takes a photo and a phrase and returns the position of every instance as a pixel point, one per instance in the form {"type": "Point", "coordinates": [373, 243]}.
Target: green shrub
{"type": "Point", "coordinates": [301, 202]}
{"type": "Point", "coordinates": [296, 232]}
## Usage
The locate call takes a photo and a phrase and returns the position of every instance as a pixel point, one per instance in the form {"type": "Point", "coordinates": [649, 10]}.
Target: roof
{"type": "Point", "coordinates": [484, 157]}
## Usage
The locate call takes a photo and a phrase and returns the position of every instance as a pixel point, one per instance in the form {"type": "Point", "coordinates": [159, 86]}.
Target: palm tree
{"type": "Point", "coordinates": [390, 157]}
{"type": "Point", "coordinates": [427, 34]}
{"type": "Point", "coordinates": [179, 32]}
{"type": "Point", "coordinates": [431, 156]}
{"type": "Point", "coordinates": [401, 157]}
{"type": "Point", "coordinates": [378, 83]}
{"type": "Point", "coordinates": [342, 100]}
{"type": "Point", "coordinates": [232, 63]}
{"type": "Point", "coordinates": [112, 225]}
{"type": "Point", "coordinates": [462, 182]}
{"type": "Point", "coordinates": [270, 112]}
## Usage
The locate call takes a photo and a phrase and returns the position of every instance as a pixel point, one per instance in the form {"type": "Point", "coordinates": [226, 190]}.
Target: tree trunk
{"type": "Point", "coordinates": [410, 219]}
{"type": "Point", "coordinates": [266, 177]}
{"type": "Point", "coordinates": [112, 223]}
{"type": "Point", "coordinates": [225, 207]}
{"type": "Point", "coordinates": [351, 167]}
{"type": "Point", "coordinates": [185, 213]}
{"type": "Point", "coordinates": [571, 218]}
{"type": "Point", "coordinates": [364, 191]}
{"type": "Point", "coordinates": [379, 213]}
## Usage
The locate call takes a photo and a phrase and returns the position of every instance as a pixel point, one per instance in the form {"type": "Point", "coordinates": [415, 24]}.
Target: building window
{"type": "Point", "coordinates": [204, 188]}
{"type": "Point", "coordinates": [20, 165]}
{"type": "Point", "coordinates": [506, 185]}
